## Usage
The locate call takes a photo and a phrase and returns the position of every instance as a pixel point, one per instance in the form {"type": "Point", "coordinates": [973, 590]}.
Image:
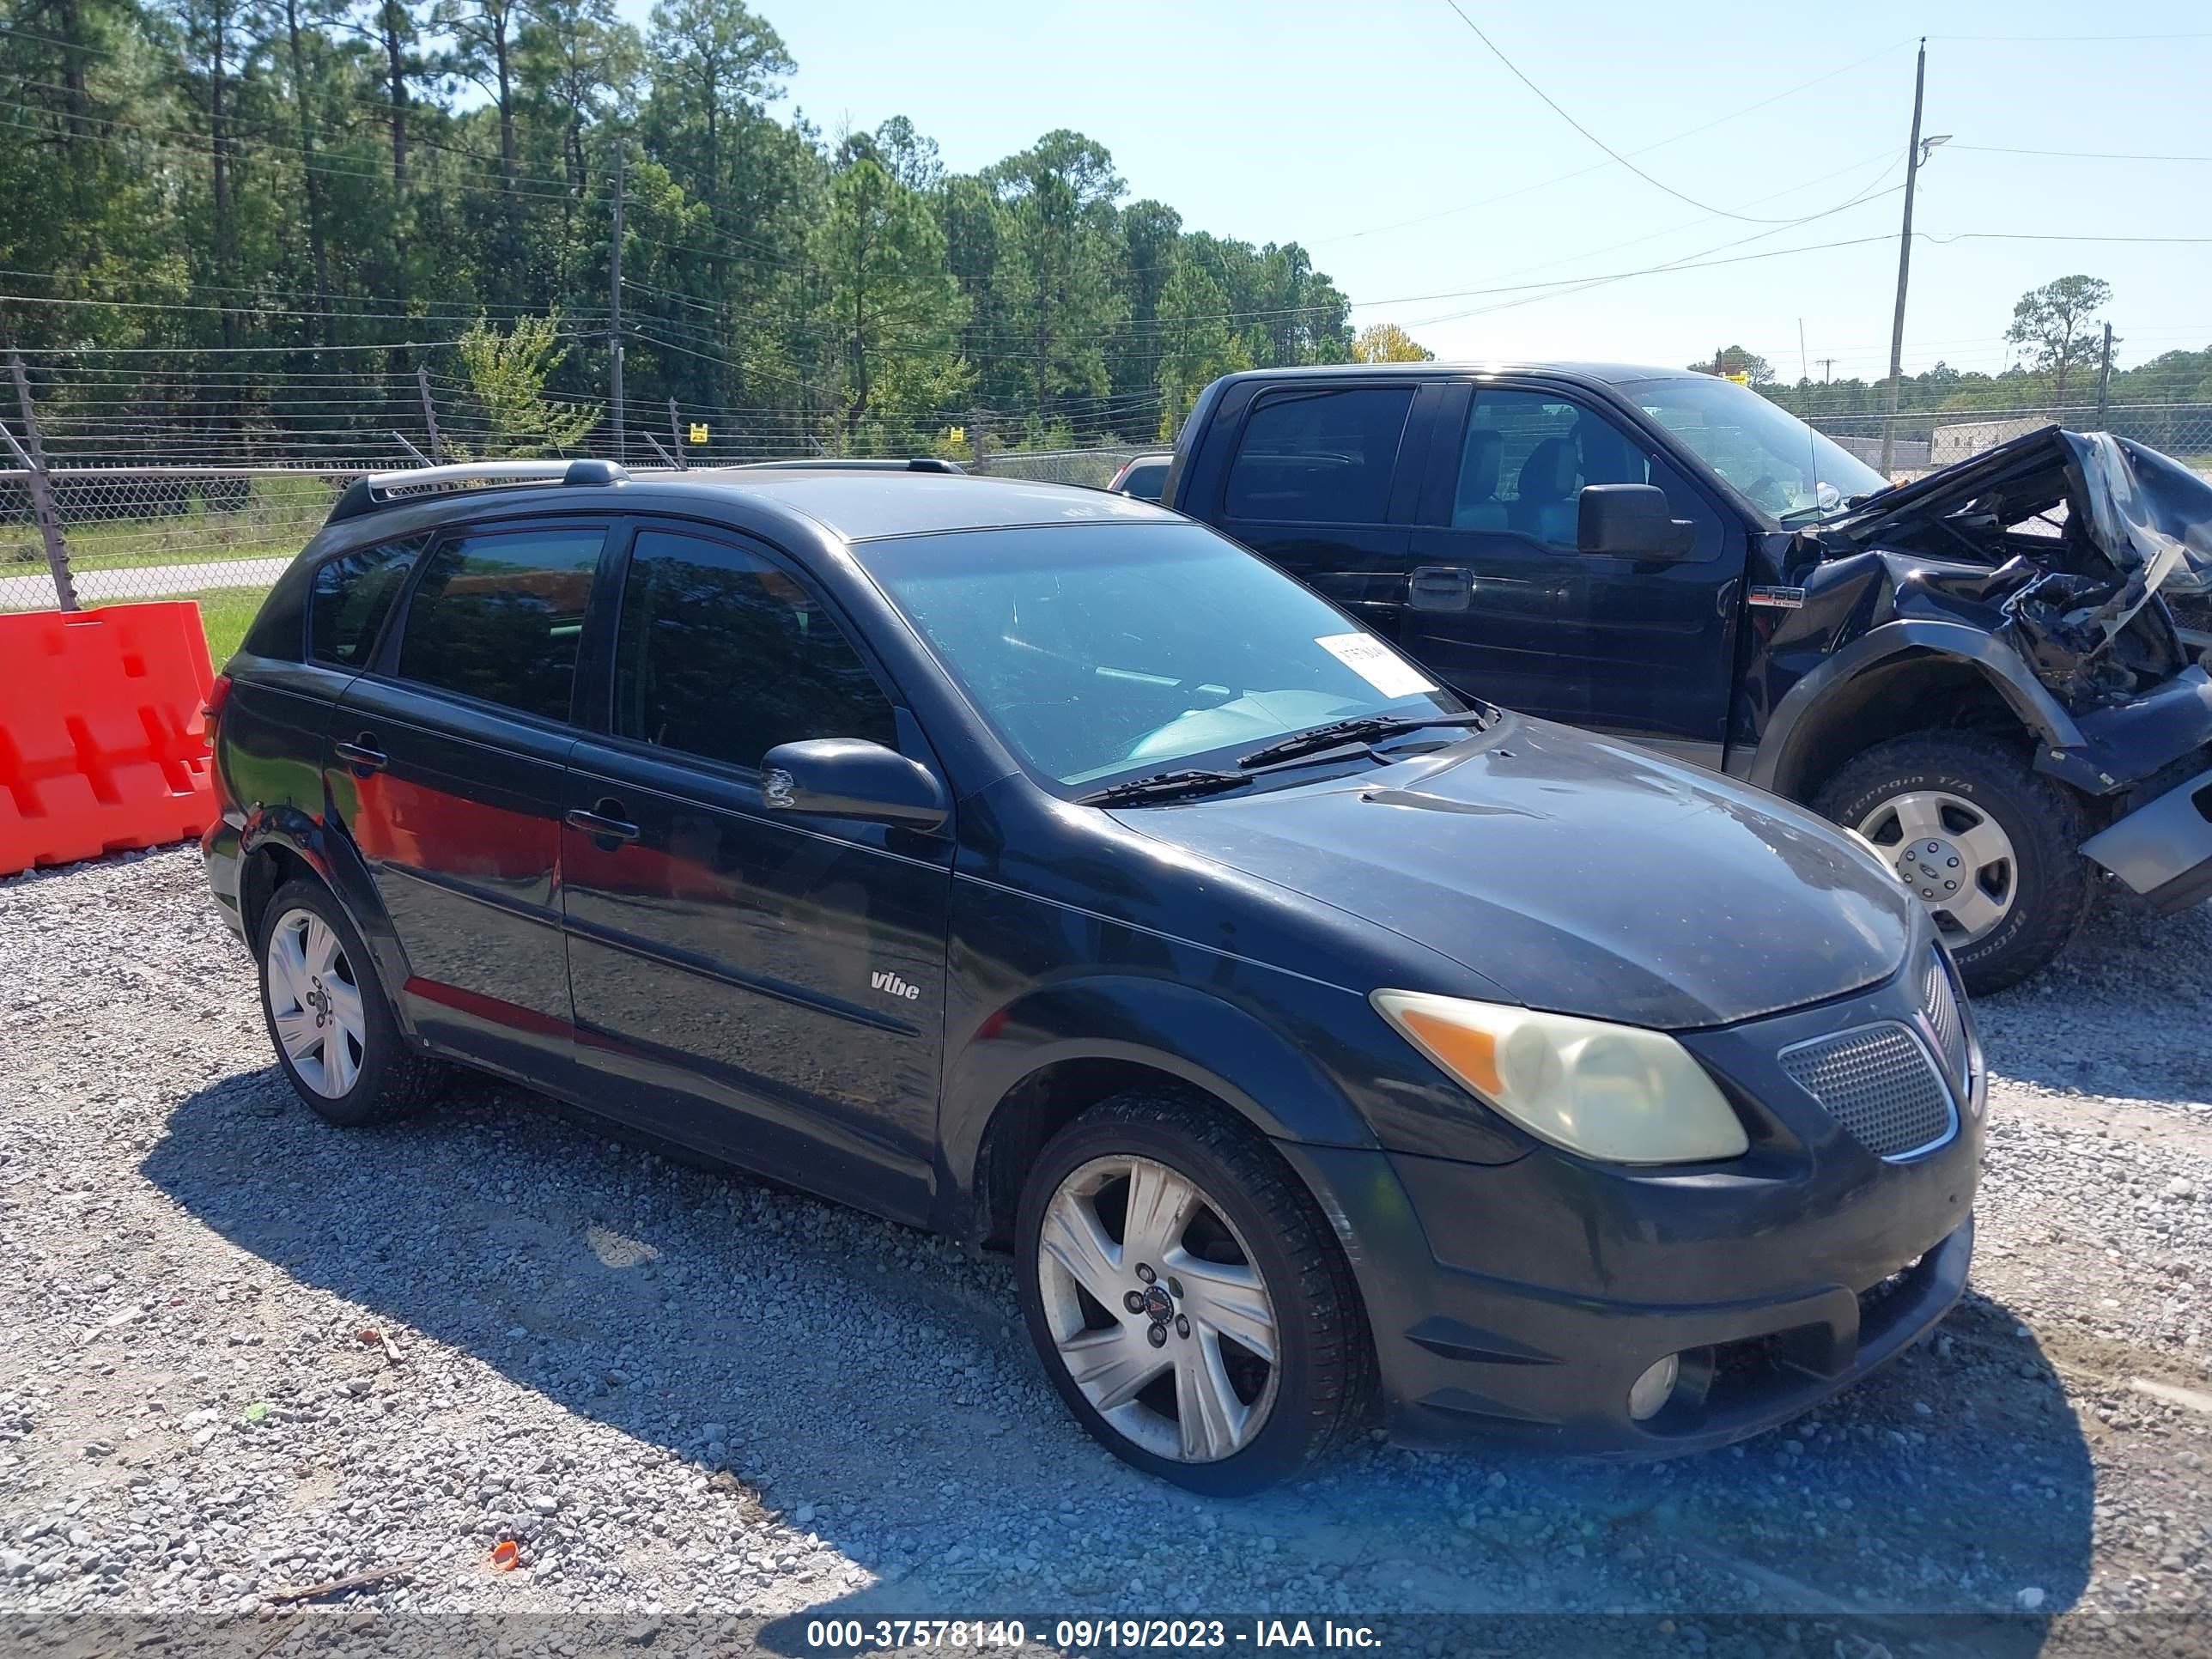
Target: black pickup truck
{"type": "Point", "coordinates": [1976, 670]}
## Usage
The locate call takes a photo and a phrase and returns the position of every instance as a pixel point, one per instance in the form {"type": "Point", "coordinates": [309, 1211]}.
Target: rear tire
{"type": "Point", "coordinates": [1944, 782]}
{"type": "Point", "coordinates": [333, 1030]}
{"type": "Point", "coordinates": [1162, 1245]}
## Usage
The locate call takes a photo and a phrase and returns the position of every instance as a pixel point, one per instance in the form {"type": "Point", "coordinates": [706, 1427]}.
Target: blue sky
{"type": "Point", "coordinates": [1335, 125]}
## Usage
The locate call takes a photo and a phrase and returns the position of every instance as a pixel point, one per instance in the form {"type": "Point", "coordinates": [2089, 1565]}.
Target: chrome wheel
{"type": "Point", "coordinates": [315, 1004]}
{"type": "Point", "coordinates": [1952, 855]}
{"type": "Point", "coordinates": [1155, 1307]}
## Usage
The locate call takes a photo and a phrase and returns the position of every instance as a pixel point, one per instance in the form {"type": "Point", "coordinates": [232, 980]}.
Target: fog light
{"type": "Point", "coordinates": [1654, 1388]}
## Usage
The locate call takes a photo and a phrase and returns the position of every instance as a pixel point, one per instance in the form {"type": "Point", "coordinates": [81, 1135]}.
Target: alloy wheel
{"type": "Point", "coordinates": [315, 1003]}
{"type": "Point", "coordinates": [1156, 1308]}
{"type": "Point", "coordinates": [1952, 855]}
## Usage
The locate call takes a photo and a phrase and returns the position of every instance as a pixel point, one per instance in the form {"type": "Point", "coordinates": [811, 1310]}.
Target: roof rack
{"type": "Point", "coordinates": [914, 464]}
{"type": "Point", "coordinates": [381, 489]}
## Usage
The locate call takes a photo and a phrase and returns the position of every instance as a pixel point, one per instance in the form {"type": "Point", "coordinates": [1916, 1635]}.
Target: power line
{"type": "Point", "coordinates": [1599, 167]}
{"type": "Point", "coordinates": [2077, 155]}
{"type": "Point", "coordinates": [1555, 107]}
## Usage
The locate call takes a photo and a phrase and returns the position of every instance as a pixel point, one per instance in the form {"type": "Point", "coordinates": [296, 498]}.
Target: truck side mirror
{"type": "Point", "coordinates": [1632, 521]}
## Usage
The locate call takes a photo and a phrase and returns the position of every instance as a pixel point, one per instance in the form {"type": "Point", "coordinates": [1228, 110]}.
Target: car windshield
{"type": "Point", "coordinates": [1775, 461]}
{"type": "Point", "coordinates": [1106, 651]}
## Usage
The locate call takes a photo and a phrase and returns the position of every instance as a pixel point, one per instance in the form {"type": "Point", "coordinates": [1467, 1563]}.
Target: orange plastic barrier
{"type": "Point", "coordinates": [102, 744]}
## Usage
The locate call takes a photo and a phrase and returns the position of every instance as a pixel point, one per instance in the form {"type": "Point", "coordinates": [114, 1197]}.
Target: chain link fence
{"type": "Point", "coordinates": [81, 537]}
{"type": "Point", "coordinates": [1094, 468]}
{"type": "Point", "coordinates": [90, 535]}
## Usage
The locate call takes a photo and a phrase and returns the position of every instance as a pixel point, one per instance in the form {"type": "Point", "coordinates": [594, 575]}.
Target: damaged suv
{"type": "Point", "coordinates": [1977, 671]}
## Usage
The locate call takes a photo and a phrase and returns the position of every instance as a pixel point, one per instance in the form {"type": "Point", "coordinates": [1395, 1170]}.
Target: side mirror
{"type": "Point", "coordinates": [1633, 521]}
{"type": "Point", "coordinates": [851, 778]}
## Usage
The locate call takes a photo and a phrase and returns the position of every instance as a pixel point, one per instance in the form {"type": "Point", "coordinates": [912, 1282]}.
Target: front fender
{"type": "Point", "coordinates": [1794, 720]}
{"type": "Point", "coordinates": [1177, 1030]}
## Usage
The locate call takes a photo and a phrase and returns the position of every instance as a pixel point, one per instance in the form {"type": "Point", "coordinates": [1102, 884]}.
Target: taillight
{"type": "Point", "coordinates": [211, 710]}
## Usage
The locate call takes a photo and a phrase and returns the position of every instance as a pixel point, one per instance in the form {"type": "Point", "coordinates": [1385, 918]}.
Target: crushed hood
{"type": "Point", "coordinates": [2148, 515]}
{"type": "Point", "coordinates": [1577, 875]}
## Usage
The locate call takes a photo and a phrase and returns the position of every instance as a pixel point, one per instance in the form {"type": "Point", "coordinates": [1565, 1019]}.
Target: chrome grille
{"type": "Point", "coordinates": [1880, 1084]}
{"type": "Point", "coordinates": [1941, 1004]}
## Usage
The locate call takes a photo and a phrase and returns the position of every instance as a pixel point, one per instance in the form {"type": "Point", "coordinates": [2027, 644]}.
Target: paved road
{"type": "Point", "coordinates": [141, 581]}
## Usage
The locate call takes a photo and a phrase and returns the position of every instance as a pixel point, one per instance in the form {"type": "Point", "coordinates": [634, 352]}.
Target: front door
{"type": "Point", "coordinates": [1503, 603]}
{"type": "Point", "coordinates": [448, 759]}
{"type": "Point", "coordinates": [768, 987]}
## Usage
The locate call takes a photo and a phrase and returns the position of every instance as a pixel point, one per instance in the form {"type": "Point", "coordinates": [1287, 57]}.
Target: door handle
{"type": "Point", "coordinates": [362, 753]}
{"type": "Point", "coordinates": [604, 822]}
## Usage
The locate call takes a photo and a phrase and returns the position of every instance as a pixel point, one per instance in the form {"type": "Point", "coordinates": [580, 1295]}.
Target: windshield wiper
{"type": "Point", "coordinates": [1365, 728]}
{"type": "Point", "coordinates": [1163, 785]}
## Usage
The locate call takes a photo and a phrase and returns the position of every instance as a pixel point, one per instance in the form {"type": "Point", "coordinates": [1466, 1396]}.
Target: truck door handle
{"type": "Point", "coordinates": [362, 753]}
{"type": "Point", "coordinates": [605, 822]}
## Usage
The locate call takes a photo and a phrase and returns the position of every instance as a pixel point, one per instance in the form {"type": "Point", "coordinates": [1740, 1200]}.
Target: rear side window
{"type": "Point", "coordinates": [1320, 456]}
{"type": "Point", "coordinates": [498, 616]}
{"type": "Point", "coordinates": [722, 655]}
{"type": "Point", "coordinates": [353, 595]}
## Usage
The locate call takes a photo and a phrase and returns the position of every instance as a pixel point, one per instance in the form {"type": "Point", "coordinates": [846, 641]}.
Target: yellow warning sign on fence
{"type": "Point", "coordinates": [1740, 376]}
{"type": "Point", "coordinates": [698, 432]}
{"type": "Point", "coordinates": [959, 434]}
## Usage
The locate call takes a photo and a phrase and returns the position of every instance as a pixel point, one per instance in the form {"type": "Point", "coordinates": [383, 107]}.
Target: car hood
{"type": "Point", "coordinates": [1577, 875]}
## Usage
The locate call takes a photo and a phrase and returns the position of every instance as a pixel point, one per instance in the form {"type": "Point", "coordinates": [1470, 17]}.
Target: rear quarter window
{"type": "Point", "coordinates": [353, 595]}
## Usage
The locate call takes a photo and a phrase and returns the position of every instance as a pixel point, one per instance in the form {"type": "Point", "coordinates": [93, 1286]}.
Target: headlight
{"type": "Point", "coordinates": [1607, 1091]}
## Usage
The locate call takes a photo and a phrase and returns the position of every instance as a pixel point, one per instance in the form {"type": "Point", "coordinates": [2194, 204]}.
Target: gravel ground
{"type": "Point", "coordinates": [249, 1354]}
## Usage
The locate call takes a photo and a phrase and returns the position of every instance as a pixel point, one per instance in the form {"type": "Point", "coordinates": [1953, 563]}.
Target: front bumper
{"type": "Point", "coordinates": [2163, 850]}
{"type": "Point", "coordinates": [1519, 1303]}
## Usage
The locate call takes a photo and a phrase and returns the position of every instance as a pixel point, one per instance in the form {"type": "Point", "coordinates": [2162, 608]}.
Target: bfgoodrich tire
{"type": "Point", "coordinates": [333, 1031]}
{"type": "Point", "coordinates": [1983, 841]}
{"type": "Point", "coordinates": [1187, 1297]}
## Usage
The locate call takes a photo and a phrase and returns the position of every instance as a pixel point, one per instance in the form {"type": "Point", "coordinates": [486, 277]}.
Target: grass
{"type": "Point", "coordinates": [225, 612]}
{"type": "Point", "coordinates": [147, 521]}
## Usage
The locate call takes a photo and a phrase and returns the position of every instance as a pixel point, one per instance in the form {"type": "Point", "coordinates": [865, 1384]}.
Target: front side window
{"type": "Point", "coordinates": [1319, 457]}
{"type": "Point", "coordinates": [721, 654]}
{"type": "Point", "coordinates": [353, 593]}
{"type": "Point", "coordinates": [1097, 650]}
{"type": "Point", "coordinates": [498, 615]}
{"type": "Point", "coordinates": [1525, 458]}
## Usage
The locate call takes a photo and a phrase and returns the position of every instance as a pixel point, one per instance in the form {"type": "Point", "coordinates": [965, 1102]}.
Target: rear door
{"type": "Point", "coordinates": [1503, 603]}
{"type": "Point", "coordinates": [448, 762]}
{"type": "Point", "coordinates": [1322, 482]}
{"type": "Point", "coordinates": [766, 986]}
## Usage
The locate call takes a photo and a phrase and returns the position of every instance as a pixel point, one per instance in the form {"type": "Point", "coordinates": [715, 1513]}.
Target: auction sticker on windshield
{"type": "Point", "coordinates": [1376, 663]}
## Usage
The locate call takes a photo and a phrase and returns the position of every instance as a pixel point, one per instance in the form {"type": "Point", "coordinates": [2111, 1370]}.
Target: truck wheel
{"type": "Point", "coordinates": [1187, 1297]}
{"type": "Point", "coordinates": [333, 1032]}
{"type": "Point", "coordinates": [1985, 843]}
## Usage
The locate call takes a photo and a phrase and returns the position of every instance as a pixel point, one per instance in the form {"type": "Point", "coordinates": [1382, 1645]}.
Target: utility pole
{"type": "Point", "coordinates": [1827, 370]}
{"type": "Point", "coordinates": [1904, 263]}
{"type": "Point", "coordinates": [1804, 363]}
{"type": "Point", "coordinates": [675, 436]}
{"type": "Point", "coordinates": [614, 311]}
{"type": "Point", "coordinates": [2105, 378]}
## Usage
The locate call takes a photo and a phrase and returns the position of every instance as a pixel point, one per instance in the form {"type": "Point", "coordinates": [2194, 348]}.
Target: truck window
{"type": "Point", "coordinates": [1527, 455]}
{"type": "Point", "coordinates": [1319, 457]}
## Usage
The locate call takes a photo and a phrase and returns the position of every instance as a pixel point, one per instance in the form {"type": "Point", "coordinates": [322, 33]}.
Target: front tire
{"type": "Point", "coordinates": [328, 1019]}
{"type": "Point", "coordinates": [1986, 843]}
{"type": "Point", "coordinates": [1187, 1297]}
